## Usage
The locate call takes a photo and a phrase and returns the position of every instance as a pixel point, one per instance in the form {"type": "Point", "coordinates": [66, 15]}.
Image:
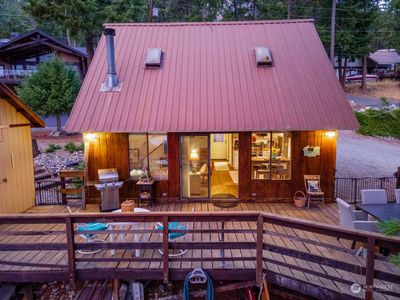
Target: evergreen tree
{"type": "Point", "coordinates": [51, 90]}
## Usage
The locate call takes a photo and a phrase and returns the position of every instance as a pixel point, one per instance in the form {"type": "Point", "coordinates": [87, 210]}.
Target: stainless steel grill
{"type": "Point", "coordinates": [109, 188]}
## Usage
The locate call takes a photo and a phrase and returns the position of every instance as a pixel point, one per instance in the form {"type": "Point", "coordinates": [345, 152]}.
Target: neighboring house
{"type": "Point", "coordinates": [20, 56]}
{"type": "Point", "coordinates": [209, 117]}
{"type": "Point", "coordinates": [386, 63]}
{"type": "Point", "coordinates": [17, 191]}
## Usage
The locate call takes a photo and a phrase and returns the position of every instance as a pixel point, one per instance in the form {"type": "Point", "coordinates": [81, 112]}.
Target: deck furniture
{"type": "Point", "coordinates": [381, 211]}
{"type": "Point", "coordinates": [174, 236]}
{"type": "Point", "coordinates": [397, 194]}
{"type": "Point", "coordinates": [354, 219]}
{"type": "Point", "coordinates": [374, 196]}
{"type": "Point", "coordinates": [146, 190]}
{"type": "Point", "coordinates": [125, 226]}
{"type": "Point", "coordinates": [312, 184]}
{"type": "Point", "coordinates": [90, 237]}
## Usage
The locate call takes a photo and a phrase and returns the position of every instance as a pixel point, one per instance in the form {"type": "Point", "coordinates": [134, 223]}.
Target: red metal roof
{"type": "Point", "coordinates": [209, 81]}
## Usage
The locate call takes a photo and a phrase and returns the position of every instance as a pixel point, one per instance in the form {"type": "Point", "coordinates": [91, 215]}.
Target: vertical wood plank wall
{"type": "Point", "coordinates": [18, 193]}
{"type": "Point", "coordinates": [324, 165]}
{"type": "Point", "coordinates": [111, 150]}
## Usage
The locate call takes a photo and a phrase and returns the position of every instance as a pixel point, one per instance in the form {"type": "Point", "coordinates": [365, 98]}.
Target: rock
{"type": "Point", "coordinates": [58, 160]}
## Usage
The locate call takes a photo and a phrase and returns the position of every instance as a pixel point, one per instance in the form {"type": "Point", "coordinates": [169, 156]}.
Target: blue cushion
{"type": "Point", "coordinates": [92, 227]}
{"type": "Point", "coordinates": [175, 226]}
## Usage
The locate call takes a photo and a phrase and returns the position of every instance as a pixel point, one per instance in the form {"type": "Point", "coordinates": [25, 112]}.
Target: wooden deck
{"type": "Point", "coordinates": [326, 267]}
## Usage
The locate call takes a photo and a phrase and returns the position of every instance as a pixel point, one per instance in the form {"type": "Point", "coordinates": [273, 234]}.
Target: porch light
{"type": "Point", "coordinates": [330, 134]}
{"type": "Point", "coordinates": [89, 137]}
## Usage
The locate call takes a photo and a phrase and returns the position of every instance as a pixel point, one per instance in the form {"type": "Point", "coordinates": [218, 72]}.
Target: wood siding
{"type": "Point", "coordinates": [16, 161]}
{"type": "Point", "coordinates": [110, 150]}
{"type": "Point", "coordinates": [324, 165]}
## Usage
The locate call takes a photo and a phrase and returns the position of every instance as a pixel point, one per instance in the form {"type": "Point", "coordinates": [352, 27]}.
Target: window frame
{"type": "Point", "coordinates": [147, 156]}
{"type": "Point", "coordinates": [270, 157]}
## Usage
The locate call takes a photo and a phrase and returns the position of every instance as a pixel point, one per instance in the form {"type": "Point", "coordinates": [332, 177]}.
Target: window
{"type": "Point", "coordinates": [271, 155]}
{"type": "Point", "coordinates": [148, 152]}
{"type": "Point", "coordinates": [158, 156]}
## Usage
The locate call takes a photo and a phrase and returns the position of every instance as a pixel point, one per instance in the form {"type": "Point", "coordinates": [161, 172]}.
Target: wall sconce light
{"type": "Point", "coordinates": [89, 137]}
{"type": "Point", "coordinates": [330, 134]}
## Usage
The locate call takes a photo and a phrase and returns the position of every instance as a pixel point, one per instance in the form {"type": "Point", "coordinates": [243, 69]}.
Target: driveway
{"type": "Point", "coordinates": [364, 156]}
{"type": "Point", "coordinates": [368, 101]}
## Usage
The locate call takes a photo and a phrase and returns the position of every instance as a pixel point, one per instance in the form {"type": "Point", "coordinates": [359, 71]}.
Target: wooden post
{"type": "Point", "coordinates": [259, 251]}
{"type": "Point", "coordinates": [63, 196]}
{"type": "Point", "coordinates": [116, 286]}
{"type": "Point", "coordinates": [397, 174]}
{"type": "Point", "coordinates": [71, 250]}
{"type": "Point", "coordinates": [369, 280]}
{"type": "Point", "coordinates": [165, 249]}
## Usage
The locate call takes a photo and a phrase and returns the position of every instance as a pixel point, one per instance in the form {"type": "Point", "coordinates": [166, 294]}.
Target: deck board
{"type": "Point", "coordinates": [276, 234]}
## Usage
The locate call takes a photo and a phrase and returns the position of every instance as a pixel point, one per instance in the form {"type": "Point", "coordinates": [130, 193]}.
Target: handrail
{"type": "Point", "coordinates": [257, 243]}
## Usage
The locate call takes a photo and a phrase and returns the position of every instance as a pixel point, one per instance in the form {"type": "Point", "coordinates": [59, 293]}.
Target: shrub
{"type": "Point", "coordinates": [379, 123]}
{"type": "Point", "coordinates": [71, 147]}
{"type": "Point", "coordinates": [51, 148]}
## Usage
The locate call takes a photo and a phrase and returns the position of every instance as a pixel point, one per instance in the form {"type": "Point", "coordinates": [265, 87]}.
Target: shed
{"type": "Point", "coordinates": [17, 191]}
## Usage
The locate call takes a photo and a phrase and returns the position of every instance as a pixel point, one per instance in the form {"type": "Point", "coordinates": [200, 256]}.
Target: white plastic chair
{"type": "Point", "coordinates": [397, 193]}
{"type": "Point", "coordinates": [374, 196]}
{"type": "Point", "coordinates": [354, 219]}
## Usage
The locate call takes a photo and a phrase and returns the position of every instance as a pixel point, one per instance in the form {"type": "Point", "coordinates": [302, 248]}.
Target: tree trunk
{"type": "Point", "coordinates": [339, 59]}
{"type": "Point", "coordinates": [58, 119]}
{"type": "Point", "coordinates": [333, 22]}
{"type": "Point", "coordinates": [364, 74]}
{"type": "Point", "coordinates": [344, 73]}
{"type": "Point", "coordinates": [89, 48]}
{"type": "Point", "coordinates": [289, 8]}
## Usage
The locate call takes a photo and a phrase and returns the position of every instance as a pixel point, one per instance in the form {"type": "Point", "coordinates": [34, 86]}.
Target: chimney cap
{"type": "Point", "coordinates": [109, 31]}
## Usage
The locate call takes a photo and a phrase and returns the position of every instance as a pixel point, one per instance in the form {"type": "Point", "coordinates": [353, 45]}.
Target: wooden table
{"type": "Point", "coordinates": [381, 211]}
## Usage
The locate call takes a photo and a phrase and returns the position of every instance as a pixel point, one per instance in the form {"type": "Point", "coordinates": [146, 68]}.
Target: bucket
{"type": "Point", "coordinates": [299, 199]}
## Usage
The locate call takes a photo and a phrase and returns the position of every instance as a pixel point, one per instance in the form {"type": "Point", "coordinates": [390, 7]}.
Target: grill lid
{"type": "Point", "coordinates": [108, 175]}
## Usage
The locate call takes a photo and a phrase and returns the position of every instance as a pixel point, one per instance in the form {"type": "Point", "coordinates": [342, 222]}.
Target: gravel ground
{"type": "Point", "coordinates": [364, 156]}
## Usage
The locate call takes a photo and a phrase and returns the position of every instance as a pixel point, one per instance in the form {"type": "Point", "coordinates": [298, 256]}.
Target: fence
{"type": "Point", "coordinates": [48, 192]}
{"type": "Point", "coordinates": [254, 244]}
{"type": "Point", "coordinates": [349, 189]}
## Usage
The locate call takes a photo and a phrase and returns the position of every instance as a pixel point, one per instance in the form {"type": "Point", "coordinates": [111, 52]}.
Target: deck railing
{"type": "Point", "coordinates": [349, 189]}
{"type": "Point", "coordinates": [254, 245]}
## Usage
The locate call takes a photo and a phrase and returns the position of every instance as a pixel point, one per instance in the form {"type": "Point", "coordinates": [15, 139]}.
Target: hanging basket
{"type": "Point", "coordinates": [299, 199]}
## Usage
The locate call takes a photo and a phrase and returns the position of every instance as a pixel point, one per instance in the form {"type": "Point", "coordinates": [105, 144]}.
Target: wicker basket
{"type": "Point", "coordinates": [299, 199]}
{"type": "Point", "coordinates": [128, 206]}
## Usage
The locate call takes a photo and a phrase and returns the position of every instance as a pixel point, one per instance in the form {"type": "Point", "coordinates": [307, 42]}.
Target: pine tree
{"type": "Point", "coordinates": [51, 90]}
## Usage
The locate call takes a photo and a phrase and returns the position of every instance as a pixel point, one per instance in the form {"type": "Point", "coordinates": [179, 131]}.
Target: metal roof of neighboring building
{"type": "Point", "coordinates": [209, 80]}
{"type": "Point", "coordinates": [7, 94]}
{"type": "Point", "coordinates": [385, 57]}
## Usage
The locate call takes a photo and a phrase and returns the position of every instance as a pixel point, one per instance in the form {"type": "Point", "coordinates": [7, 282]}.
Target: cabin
{"type": "Point", "coordinates": [232, 110]}
{"type": "Point", "coordinates": [20, 56]}
{"type": "Point", "coordinates": [17, 190]}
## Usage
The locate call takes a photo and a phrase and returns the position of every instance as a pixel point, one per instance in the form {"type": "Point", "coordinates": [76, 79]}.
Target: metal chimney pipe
{"type": "Point", "coordinates": [112, 79]}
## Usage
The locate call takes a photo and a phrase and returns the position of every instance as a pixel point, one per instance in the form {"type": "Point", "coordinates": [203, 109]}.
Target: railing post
{"type": "Point", "coordinates": [397, 175]}
{"type": "Point", "coordinates": [259, 250]}
{"type": "Point", "coordinates": [355, 190]}
{"type": "Point", "coordinates": [63, 195]}
{"type": "Point", "coordinates": [165, 249]}
{"type": "Point", "coordinates": [71, 250]}
{"type": "Point", "coordinates": [369, 280]}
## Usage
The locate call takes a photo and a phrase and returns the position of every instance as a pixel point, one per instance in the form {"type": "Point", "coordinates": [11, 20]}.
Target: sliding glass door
{"type": "Point", "coordinates": [194, 165]}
